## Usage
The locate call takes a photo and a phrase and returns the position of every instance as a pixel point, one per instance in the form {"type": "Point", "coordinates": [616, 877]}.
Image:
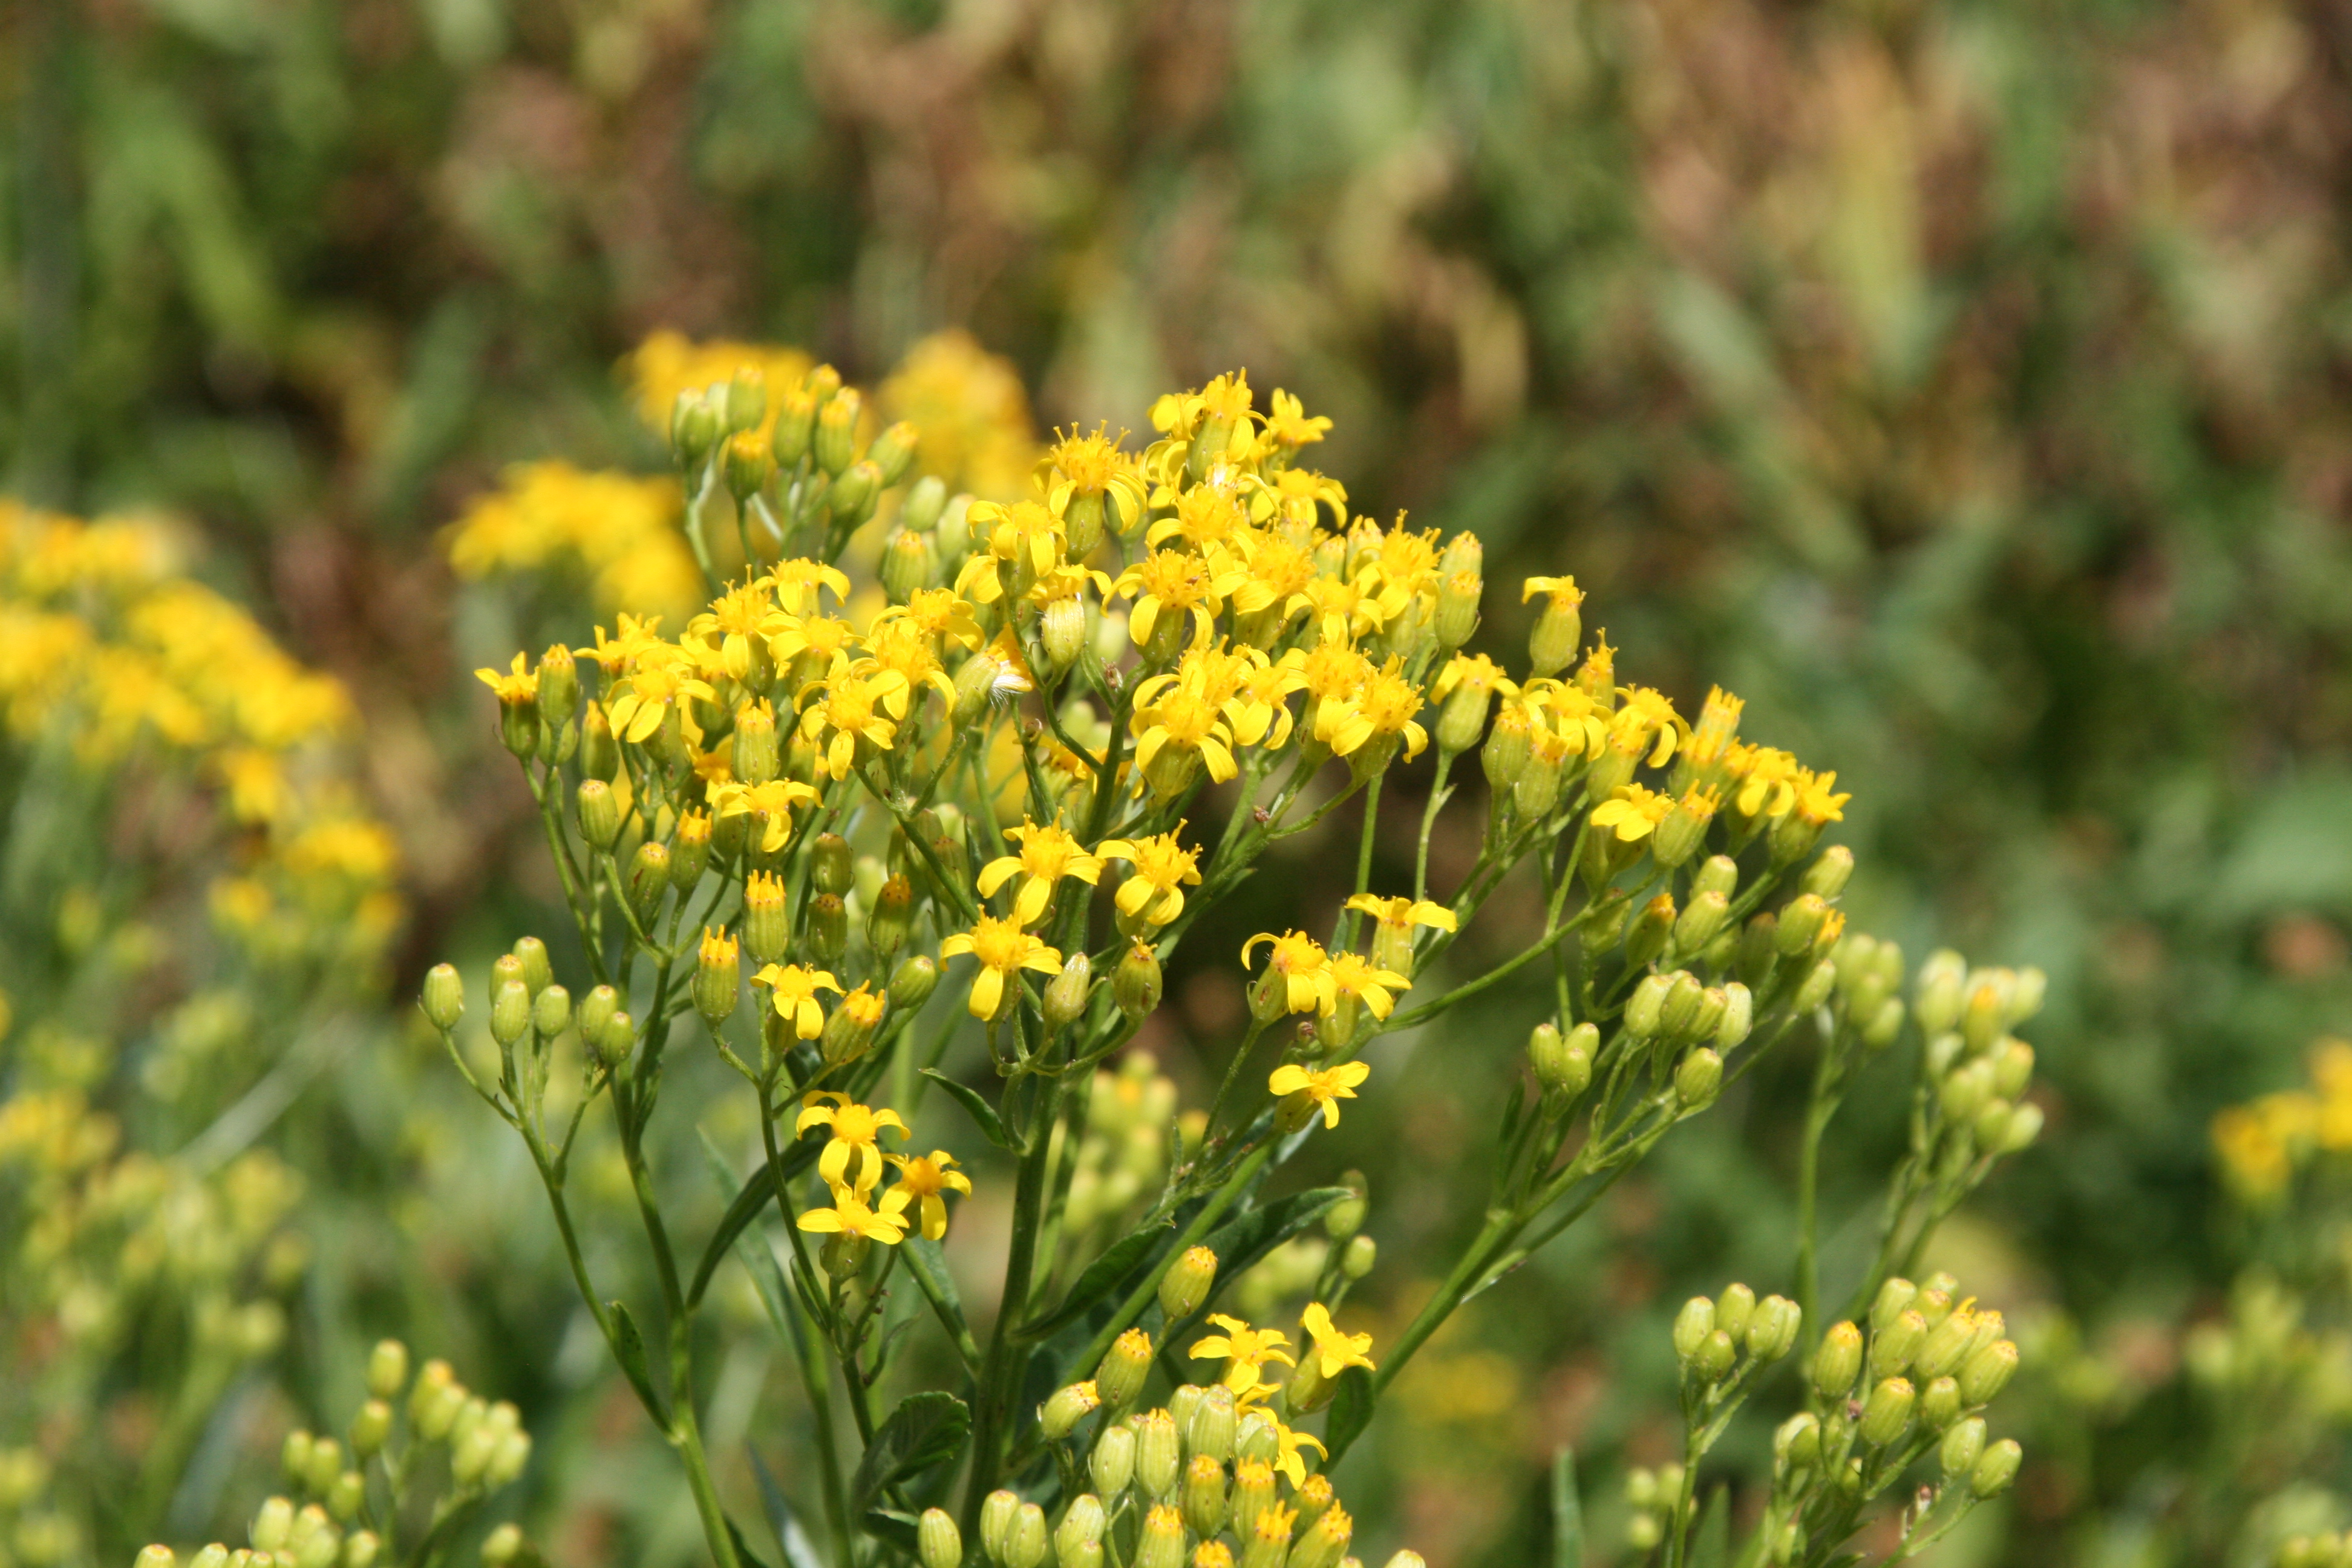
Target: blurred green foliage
{"type": "Point", "coordinates": [1963, 384]}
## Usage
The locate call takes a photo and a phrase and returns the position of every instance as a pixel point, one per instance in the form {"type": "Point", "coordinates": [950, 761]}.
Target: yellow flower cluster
{"type": "Point", "coordinates": [2262, 1142]}
{"type": "Point", "coordinates": [623, 531]}
{"type": "Point", "coordinates": [852, 1166]}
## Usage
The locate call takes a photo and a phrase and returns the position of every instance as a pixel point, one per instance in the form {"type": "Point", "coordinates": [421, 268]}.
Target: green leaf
{"type": "Point", "coordinates": [1249, 1237]}
{"type": "Point", "coordinates": [1567, 1512]}
{"type": "Point", "coordinates": [629, 1349]}
{"type": "Point", "coordinates": [928, 1263]}
{"type": "Point", "coordinates": [757, 1192]}
{"type": "Point", "coordinates": [799, 1551]}
{"type": "Point", "coordinates": [925, 1429]}
{"type": "Point", "coordinates": [1712, 1549]}
{"type": "Point", "coordinates": [1351, 1412]}
{"type": "Point", "coordinates": [743, 1553]}
{"type": "Point", "coordinates": [903, 1530]}
{"type": "Point", "coordinates": [982, 1113]}
{"type": "Point", "coordinates": [1123, 1258]}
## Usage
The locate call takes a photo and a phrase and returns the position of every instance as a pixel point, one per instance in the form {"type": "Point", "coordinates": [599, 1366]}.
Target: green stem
{"type": "Point", "coordinates": [1819, 1107]}
{"type": "Point", "coordinates": [997, 1385]}
{"type": "Point", "coordinates": [1437, 798]}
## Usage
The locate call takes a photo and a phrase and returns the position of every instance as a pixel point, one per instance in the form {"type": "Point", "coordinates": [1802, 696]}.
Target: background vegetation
{"type": "Point", "coordinates": [1965, 384]}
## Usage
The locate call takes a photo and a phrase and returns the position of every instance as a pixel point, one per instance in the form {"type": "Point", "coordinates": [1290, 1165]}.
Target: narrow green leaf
{"type": "Point", "coordinates": [1351, 1410]}
{"type": "Point", "coordinates": [743, 1553]}
{"type": "Point", "coordinates": [758, 1192]}
{"type": "Point", "coordinates": [982, 1113]}
{"type": "Point", "coordinates": [1712, 1548]}
{"type": "Point", "coordinates": [1567, 1512]}
{"type": "Point", "coordinates": [1246, 1238]}
{"type": "Point", "coordinates": [629, 1349]}
{"type": "Point", "coordinates": [799, 1551]}
{"type": "Point", "coordinates": [926, 1429]}
{"type": "Point", "coordinates": [928, 1263]}
{"type": "Point", "coordinates": [1122, 1259]}
{"type": "Point", "coordinates": [903, 1530]}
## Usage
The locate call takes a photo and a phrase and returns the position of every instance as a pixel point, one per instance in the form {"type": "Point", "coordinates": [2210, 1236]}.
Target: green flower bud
{"type": "Point", "coordinates": [718, 979]}
{"type": "Point", "coordinates": [1066, 1408]}
{"type": "Point", "coordinates": [893, 452]}
{"type": "Point", "coordinates": [369, 1428]}
{"type": "Point", "coordinates": [443, 997]}
{"type": "Point", "coordinates": [1940, 994]}
{"type": "Point", "coordinates": [836, 430]}
{"type": "Point", "coordinates": [1800, 925]}
{"type": "Point", "coordinates": [1254, 1493]}
{"type": "Point", "coordinates": [346, 1496]}
{"type": "Point", "coordinates": [1817, 986]}
{"type": "Point", "coordinates": [1946, 1344]}
{"type": "Point", "coordinates": [997, 1511]}
{"type": "Point", "coordinates": [908, 563]}
{"type": "Point", "coordinates": [510, 1013]}
{"type": "Point", "coordinates": [1346, 1217]}
{"type": "Point", "coordinates": [1643, 1533]}
{"type": "Point", "coordinates": [1025, 1542]}
{"type": "Point", "coordinates": [912, 981]}
{"type": "Point", "coordinates": [1993, 1474]}
{"type": "Point", "coordinates": [1186, 1285]}
{"type": "Point", "coordinates": [1796, 1444]}
{"type": "Point", "coordinates": [2012, 1069]}
{"type": "Point", "coordinates": [795, 424]}
{"type": "Point", "coordinates": [1135, 984]}
{"type": "Point", "coordinates": [1838, 1361]}
{"type": "Point", "coordinates": [1112, 1464]}
{"type": "Point", "coordinates": [1826, 877]}
{"type": "Point", "coordinates": [1893, 1298]}
{"type": "Point", "coordinates": [1163, 1542]}
{"type": "Point", "coordinates": [1204, 1495]}
{"type": "Point", "coordinates": [1463, 718]}
{"type": "Point", "coordinates": [273, 1524]}
{"type": "Point", "coordinates": [551, 1013]}
{"type": "Point", "coordinates": [1883, 1025]}
{"type": "Point", "coordinates": [1415, 1560]}
{"type": "Point", "coordinates": [1065, 995]}
{"type": "Point", "coordinates": [595, 1011]}
{"type": "Point", "coordinates": [1537, 789]}
{"type": "Point", "coordinates": [1692, 1326]}
{"type": "Point", "coordinates": [599, 754]}
{"type": "Point", "coordinates": [1458, 593]}
{"type": "Point", "coordinates": [434, 1403]}
{"type": "Point", "coordinates": [1558, 631]}
{"type": "Point", "coordinates": [1679, 1017]}
{"type": "Point", "coordinates": [1642, 1011]}
{"type": "Point", "coordinates": [1700, 920]}
{"type": "Point", "coordinates": [1211, 1430]}
{"type": "Point", "coordinates": [1886, 1415]}
{"type": "Point", "coordinates": [155, 1557]}
{"type": "Point", "coordinates": [1082, 1526]}
{"type": "Point", "coordinates": [744, 464]}
{"type": "Point", "coordinates": [1965, 1090]}
{"type": "Point", "coordinates": [1647, 933]}
{"type": "Point", "coordinates": [294, 1456]}
{"type": "Point", "coordinates": [1758, 951]}
{"type": "Point", "coordinates": [1773, 1332]}
{"type": "Point", "coordinates": [649, 879]}
{"type": "Point", "coordinates": [690, 851]}
{"type": "Point", "coordinates": [1699, 1080]}
{"type": "Point", "coordinates": [1734, 1310]}
{"type": "Point", "coordinates": [2024, 1127]}
{"type": "Point", "coordinates": [892, 916]}
{"type": "Point", "coordinates": [1894, 1347]}
{"type": "Point", "coordinates": [502, 1546]}
{"type": "Point", "coordinates": [827, 928]}
{"type": "Point", "coordinates": [1988, 1372]}
{"type": "Point", "coordinates": [1986, 1012]}
{"type": "Point", "coordinates": [831, 866]}
{"type": "Point", "coordinates": [1357, 1259]}
{"type": "Point", "coordinates": [1939, 1406]}
{"type": "Point", "coordinates": [215, 1555]}
{"type": "Point", "coordinates": [842, 1255]}
{"type": "Point", "coordinates": [537, 971]}
{"type": "Point", "coordinates": [1158, 1453]}
{"type": "Point", "coordinates": [1990, 1126]}
{"type": "Point", "coordinates": [507, 970]}
{"type": "Point", "coordinates": [1962, 1446]}
{"type": "Point", "coordinates": [615, 1040]}
{"type": "Point", "coordinates": [919, 513]}
{"type": "Point", "coordinates": [1714, 1357]}
{"type": "Point", "coordinates": [1184, 1403]}
{"type": "Point", "coordinates": [1322, 1539]}
{"type": "Point", "coordinates": [600, 814]}
{"type": "Point", "coordinates": [1738, 1016]}
{"type": "Point", "coordinates": [1255, 1438]}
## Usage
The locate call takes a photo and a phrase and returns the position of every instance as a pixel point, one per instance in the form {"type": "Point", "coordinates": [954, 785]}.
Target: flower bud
{"type": "Point", "coordinates": [1025, 1542]}
{"type": "Point", "coordinates": [1988, 1372]}
{"type": "Point", "coordinates": [1946, 1344]}
{"type": "Point", "coordinates": [599, 754]}
{"type": "Point", "coordinates": [1679, 1016]}
{"type": "Point", "coordinates": [996, 1514]}
{"type": "Point", "coordinates": [827, 927]}
{"type": "Point", "coordinates": [1716, 1354]}
{"type": "Point", "coordinates": [1773, 1332]}
{"type": "Point", "coordinates": [836, 430]}
{"type": "Point", "coordinates": [346, 1497]}
{"type": "Point", "coordinates": [369, 1428]}
{"type": "Point", "coordinates": [2012, 1069]}
{"type": "Point", "coordinates": [1939, 1406]}
{"type": "Point", "coordinates": [1649, 1000]}
{"type": "Point", "coordinates": [1409, 1560]}
{"type": "Point", "coordinates": [912, 981]}
{"type": "Point", "coordinates": [154, 1556]}
{"type": "Point", "coordinates": [1082, 1526]}
{"type": "Point", "coordinates": [537, 971]}
{"type": "Point", "coordinates": [1879, 1030]}
{"type": "Point", "coordinates": [1815, 991]}
{"type": "Point", "coordinates": [1204, 1495]}
{"type": "Point", "coordinates": [1112, 1464]}
{"type": "Point", "coordinates": [1066, 1408]}
{"type": "Point", "coordinates": [1838, 1361]}
{"type": "Point", "coordinates": [649, 879]}
{"type": "Point", "coordinates": [831, 866]}
{"type": "Point", "coordinates": [2024, 1127]}
{"type": "Point", "coordinates": [1692, 1326]}
{"type": "Point", "coordinates": [690, 851]}
{"type": "Point", "coordinates": [1894, 1347]}
{"type": "Point", "coordinates": [1065, 1001]}
{"type": "Point", "coordinates": [1738, 1016]}
{"type": "Point", "coordinates": [294, 1456]}
{"type": "Point", "coordinates": [767, 925]}
{"type": "Point", "coordinates": [1159, 1453]}
{"type": "Point", "coordinates": [615, 1040]}
{"type": "Point", "coordinates": [1759, 951]}
{"type": "Point", "coordinates": [744, 463]}
{"type": "Point", "coordinates": [1647, 933]}
{"type": "Point", "coordinates": [510, 1013]}
{"type": "Point", "coordinates": [1135, 984]}
{"type": "Point", "coordinates": [1063, 630]}
{"type": "Point", "coordinates": [1503, 758]}
{"type": "Point", "coordinates": [273, 1522]}
{"type": "Point", "coordinates": [1699, 1078]}
{"type": "Point", "coordinates": [1940, 995]}
{"type": "Point", "coordinates": [718, 978]}
{"type": "Point", "coordinates": [1700, 920]}
{"type": "Point", "coordinates": [1183, 1403]}
{"type": "Point", "coordinates": [1163, 1542]}
{"type": "Point", "coordinates": [600, 814]}
{"type": "Point", "coordinates": [1457, 609]}
{"type": "Point", "coordinates": [1826, 877]}
{"type": "Point", "coordinates": [1797, 1444]}
{"type": "Point", "coordinates": [1253, 1491]}
{"type": "Point", "coordinates": [443, 997]}
{"type": "Point", "coordinates": [1357, 1259]}
{"type": "Point", "coordinates": [1734, 1310]}
{"type": "Point", "coordinates": [1962, 1446]}
{"type": "Point", "coordinates": [1559, 631]}
{"type": "Point", "coordinates": [1800, 923]}
{"type": "Point", "coordinates": [215, 1555]}
{"type": "Point", "coordinates": [1211, 1430]}
{"type": "Point", "coordinates": [551, 1011]}
{"type": "Point", "coordinates": [1996, 1469]}
{"type": "Point", "coordinates": [1886, 1415]}
{"type": "Point", "coordinates": [909, 563]}
{"type": "Point", "coordinates": [893, 452]}
{"type": "Point", "coordinates": [1893, 1298]}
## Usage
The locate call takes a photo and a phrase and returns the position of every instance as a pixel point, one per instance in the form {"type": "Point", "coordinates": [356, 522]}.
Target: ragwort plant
{"type": "Point", "coordinates": [1068, 726]}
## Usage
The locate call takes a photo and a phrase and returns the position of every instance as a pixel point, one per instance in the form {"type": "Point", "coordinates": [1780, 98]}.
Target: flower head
{"type": "Point", "coordinates": [1324, 1088]}
{"type": "Point", "coordinates": [1355, 976]}
{"type": "Point", "coordinates": [1246, 1352]}
{"type": "Point", "coordinates": [1335, 1352]}
{"type": "Point", "coordinates": [1634, 812]}
{"type": "Point", "coordinates": [850, 708]}
{"type": "Point", "coordinates": [793, 988]}
{"type": "Point", "coordinates": [1153, 893]}
{"type": "Point", "coordinates": [1004, 949]}
{"type": "Point", "coordinates": [520, 686]}
{"type": "Point", "coordinates": [851, 1214]}
{"type": "Point", "coordinates": [1402, 914]}
{"type": "Point", "coordinates": [1048, 854]}
{"type": "Point", "coordinates": [1297, 970]}
{"type": "Point", "coordinates": [853, 1150]}
{"type": "Point", "coordinates": [922, 1178]}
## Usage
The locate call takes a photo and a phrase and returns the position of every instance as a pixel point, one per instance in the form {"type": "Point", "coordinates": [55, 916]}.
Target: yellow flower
{"type": "Point", "coordinates": [1278, 574]}
{"type": "Point", "coordinates": [1048, 854]}
{"type": "Point", "coordinates": [1182, 719]}
{"type": "Point", "coordinates": [623, 529]}
{"type": "Point", "coordinates": [769, 807]}
{"type": "Point", "coordinates": [1767, 780]}
{"type": "Point", "coordinates": [1168, 583]}
{"type": "Point", "coordinates": [1288, 1460]}
{"type": "Point", "coordinates": [740, 617]}
{"type": "Point", "coordinates": [1304, 966]}
{"type": "Point", "coordinates": [1561, 593]}
{"type": "Point", "coordinates": [1153, 893]}
{"type": "Point", "coordinates": [1329, 672]}
{"type": "Point", "coordinates": [1246, 1352]}
{"type": "Point", "coordinates": [901, 647]}
{"type": "Point", "coordinates": [848, 708]}
{"type": "Point", "coordinates": [971, 409]}
{"type": "Point", "coordinates": [1287, 422]}
{"type": "Point", "coordinates": [795, 988]}
{"type": "Point", "coordinates": [626, 646]}
{"type": "Point", "coordinates": [1205, 518]}
{"type": "Point", "coordinates": [1024, 542]}
{"type": "Point", "coordinates": [668, 362]}
{"type": "Point", "coordinates": [827, 637]}
{"type": "Point", "coordinates": [1380, 711]}
{"type": "Point", "coordinates": [856, 1132]}
{"type": "Point", "coordinates": [1353, 974]}
{"type": "Point", "coordinates": [941, 613]}
{"type": "Point", "coordinates": [522, 686]}
{"type": "Point", "coordinates": [1325, 1088]}
{"type": "Point", "coordinates": [1401, 915]}
{"type": "Point", "coordinates": [851, 1214]}
{"type": "Point", "coordinates": [1089, 465]}
{"type": "Point", "coordinates": [1634, 812]}
{"type": "Point", "coordinates": [921, 1179]}
{"type": "Point", "coordinates": [1345, 608]}
{"type": "Point", "coordinates": [1334, 1351]}
{"type": "Point", "coordinates": [1815, 802]}
{"type": "Point", "coordinates": [797, 580]}
{"type": "Point", "coordinates": [654, 686]}
{"type": "Point", "coordinates": [1004, 949]}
